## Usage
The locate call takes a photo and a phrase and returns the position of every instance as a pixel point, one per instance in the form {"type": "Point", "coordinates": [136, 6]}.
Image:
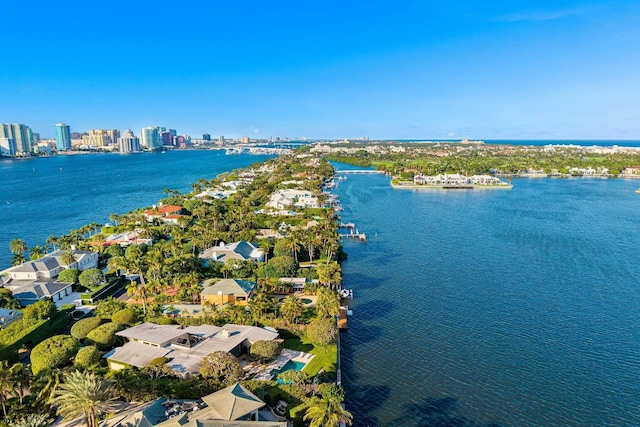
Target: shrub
{"type": "Point", "coordinates": [126, 316]}
{"type": "Point", "coordinates": [265, 351]}
{"type": "Point", "coordinates": [91, 278]}
{"type": "Point", "coordinates": [43, 309]}
{"type": "Point", "coordinates": [52, 352]}
{"type": "Point", "coordinates": [284, 266]}
{"type": "Point", "coordinates": [222, 367]}
{"type": "Point", "coordinates": [69, 275]}
{"type": "Point", "coordinates": [293, 377]}
{"type": "Point", "coordinates": [87, 356]}
{"type": "Point", "coordinates": [83, 326]}
{"type": "Point", "coordinates": [323, 331]}
{"type": "Point", "coordinates": [107, 307]}
{"type": "Point", "coordinates": [114, 250]}
{"type": "Point", "coordinates": [103, 336]}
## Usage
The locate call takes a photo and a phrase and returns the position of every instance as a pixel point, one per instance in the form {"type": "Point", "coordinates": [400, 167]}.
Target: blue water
{"type": "Point", "coordinates": [519, 308]}
{"type": "Point", "coordinates": [50, 196]}
{"type": "Point", "coordinates": [514, 307]}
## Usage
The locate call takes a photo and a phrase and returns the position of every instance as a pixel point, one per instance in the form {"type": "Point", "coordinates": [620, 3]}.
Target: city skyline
{"type": "Point", "coordinates": [505, 70]}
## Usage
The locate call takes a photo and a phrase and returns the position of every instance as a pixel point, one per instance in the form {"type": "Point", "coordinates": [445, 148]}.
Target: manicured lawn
{"type": "Point", "coordinates": [325, 356]}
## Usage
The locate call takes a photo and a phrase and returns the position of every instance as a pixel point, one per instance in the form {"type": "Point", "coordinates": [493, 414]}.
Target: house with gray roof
{"type": "Point", "coordinates": [32, 281]}
{"type": "Point", "coordinates": [37, 290]}
{"type": "Point", "coordinates": [242, 251]}
{"type": "Point", "coordinates": [8, 316]}
{"type": "Point", "coordinates": [233, 406]}
{"type": "Point", "coordinates": [185, 348]}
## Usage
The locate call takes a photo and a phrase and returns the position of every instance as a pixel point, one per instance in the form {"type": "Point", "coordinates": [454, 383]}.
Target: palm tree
{"type": "Point", "coordinates": [327, 413]}
{"type": "Point", "coordinates": [114, 217]}
{"type": "Point", "coordinates": [265, 246]}
{"type": "Point", "coordinates": [20, 377]}
{"type": "Point", "coordinates": [6, 385]}
{"type": "Point", "coordinates": [138, 291]}
{"type": "Point", "coordinates": [17, 246]}
{"type": "Point", "coordinates": [17, 259]}
{"type": "Point", "coordinates": [84, 394]}
{"type": "Point", "coordinates": [291, 308]}
{"type": "Point", "coordinates": [36, 252]}
{"type": "Point", "coordinates": [292, 243]}
{"type": "Point", "coordinates": [68, 258]}
{"type": "Point", "coordinates": [52, 241]}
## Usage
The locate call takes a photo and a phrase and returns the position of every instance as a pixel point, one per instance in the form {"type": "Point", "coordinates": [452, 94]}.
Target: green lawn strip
{"type": "Point", "coordinates": [325, 356]}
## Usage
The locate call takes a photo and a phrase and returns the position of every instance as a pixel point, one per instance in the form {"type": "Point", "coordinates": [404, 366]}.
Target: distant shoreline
{"type": "Point", "coordinates": [450, 187]}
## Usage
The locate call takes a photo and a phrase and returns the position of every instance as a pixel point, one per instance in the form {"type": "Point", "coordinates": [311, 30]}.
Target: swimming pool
{"type": "Point", "coordinates": [289, 366]}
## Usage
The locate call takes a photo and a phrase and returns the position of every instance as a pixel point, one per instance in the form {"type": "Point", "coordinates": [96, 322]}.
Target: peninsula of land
{"type": "Point", "coordinates": [226, 295]}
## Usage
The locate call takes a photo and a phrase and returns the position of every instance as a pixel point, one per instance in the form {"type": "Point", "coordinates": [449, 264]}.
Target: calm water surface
{"type": "Point", "coordinates": [502, 308]}
{"type": "Point", "coordinates": [50, 196]}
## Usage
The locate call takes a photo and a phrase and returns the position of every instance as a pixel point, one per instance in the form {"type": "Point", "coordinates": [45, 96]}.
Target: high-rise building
{"type": "Point", "coordinates": [167, 138]}
{"type": "Point", "coordinates": [150, 138]}
{"type": "Point", "coordinates": [7, 147]}
{"type": "Point", "coordinates": [114, 134]}
{"type": "Point", "coordinates": [128, 142]}
{"type": "Point", "coordinates": [22, 136]}
{"type": "Point", "coordinates": [35, 138]}
{"type": "Point", "coordinates": [63, 137]}
{"type": "Point", "coordinates": [206, 137]}
{"type": "Point", "coordinates": [221, 140]}
{"type": "Point", "coordinates": [97, 138]}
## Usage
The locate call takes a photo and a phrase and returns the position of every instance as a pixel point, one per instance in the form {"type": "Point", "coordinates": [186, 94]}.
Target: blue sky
{"type": "Point", "coordinates": [326, 69]}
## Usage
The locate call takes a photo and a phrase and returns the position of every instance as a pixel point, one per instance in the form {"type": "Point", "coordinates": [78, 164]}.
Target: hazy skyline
{"type": "Point", "coordinates": [409, 69]}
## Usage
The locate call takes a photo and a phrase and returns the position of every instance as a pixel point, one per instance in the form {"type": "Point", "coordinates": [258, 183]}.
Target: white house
{"type": "Point", "coordinates": [285, 198]}
{"type": "Point", "coordinates": [32, 281]}
{"type": "Point", "coordinates": [239, 250]}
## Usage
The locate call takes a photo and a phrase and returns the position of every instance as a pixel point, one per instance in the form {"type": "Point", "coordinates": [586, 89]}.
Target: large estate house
{"type": "Point", "coordinates": [165, 213]}
{"type": "Point", "coordinates": [286, 198]}
{"type": "Point", "coordinates": [243, 251]}
{"type": "Point", "coordinates": [185, 348]}
{"type": "Point", "coordinates": [32, 281]}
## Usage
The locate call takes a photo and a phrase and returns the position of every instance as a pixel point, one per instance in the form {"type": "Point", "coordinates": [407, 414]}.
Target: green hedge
{"type": "Point", "coordinates": [103, 291]}
{"type": "Point", "coordinates": [31, 331]}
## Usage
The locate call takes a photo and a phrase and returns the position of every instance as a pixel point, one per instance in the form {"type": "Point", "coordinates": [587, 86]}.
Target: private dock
{"type": "Point", "coordinates": [342, 318]}
{"type": "Point", "coordinates": [347, 225]}
{"type": "Point", "coordinates": [358, 236]}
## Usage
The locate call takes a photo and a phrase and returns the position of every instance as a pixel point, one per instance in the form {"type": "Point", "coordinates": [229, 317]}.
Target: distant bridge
{"type": "Point", "coordinates": [359, 171]}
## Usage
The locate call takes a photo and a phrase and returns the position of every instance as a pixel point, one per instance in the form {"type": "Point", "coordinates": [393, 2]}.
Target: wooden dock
{"type": "Point", "coordinates": [359, 236]}
{"type": "Point", "coordinates": [342, 318]}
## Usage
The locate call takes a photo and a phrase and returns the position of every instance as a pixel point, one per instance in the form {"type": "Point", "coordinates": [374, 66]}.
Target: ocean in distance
{"type": "Point", "coordinates": [493, 308]}
{"type": "Point", "coordinates": [47, 196]}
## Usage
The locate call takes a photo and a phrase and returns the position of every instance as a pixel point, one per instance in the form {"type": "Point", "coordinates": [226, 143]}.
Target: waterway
{"type": "Point", "coordinates": [493, 308]}
{"type": "Point", "coordinates": [48, 196]}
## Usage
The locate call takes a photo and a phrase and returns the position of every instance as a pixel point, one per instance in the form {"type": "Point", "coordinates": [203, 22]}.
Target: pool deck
{"type": "Point", "coordinates": [263, 372]}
